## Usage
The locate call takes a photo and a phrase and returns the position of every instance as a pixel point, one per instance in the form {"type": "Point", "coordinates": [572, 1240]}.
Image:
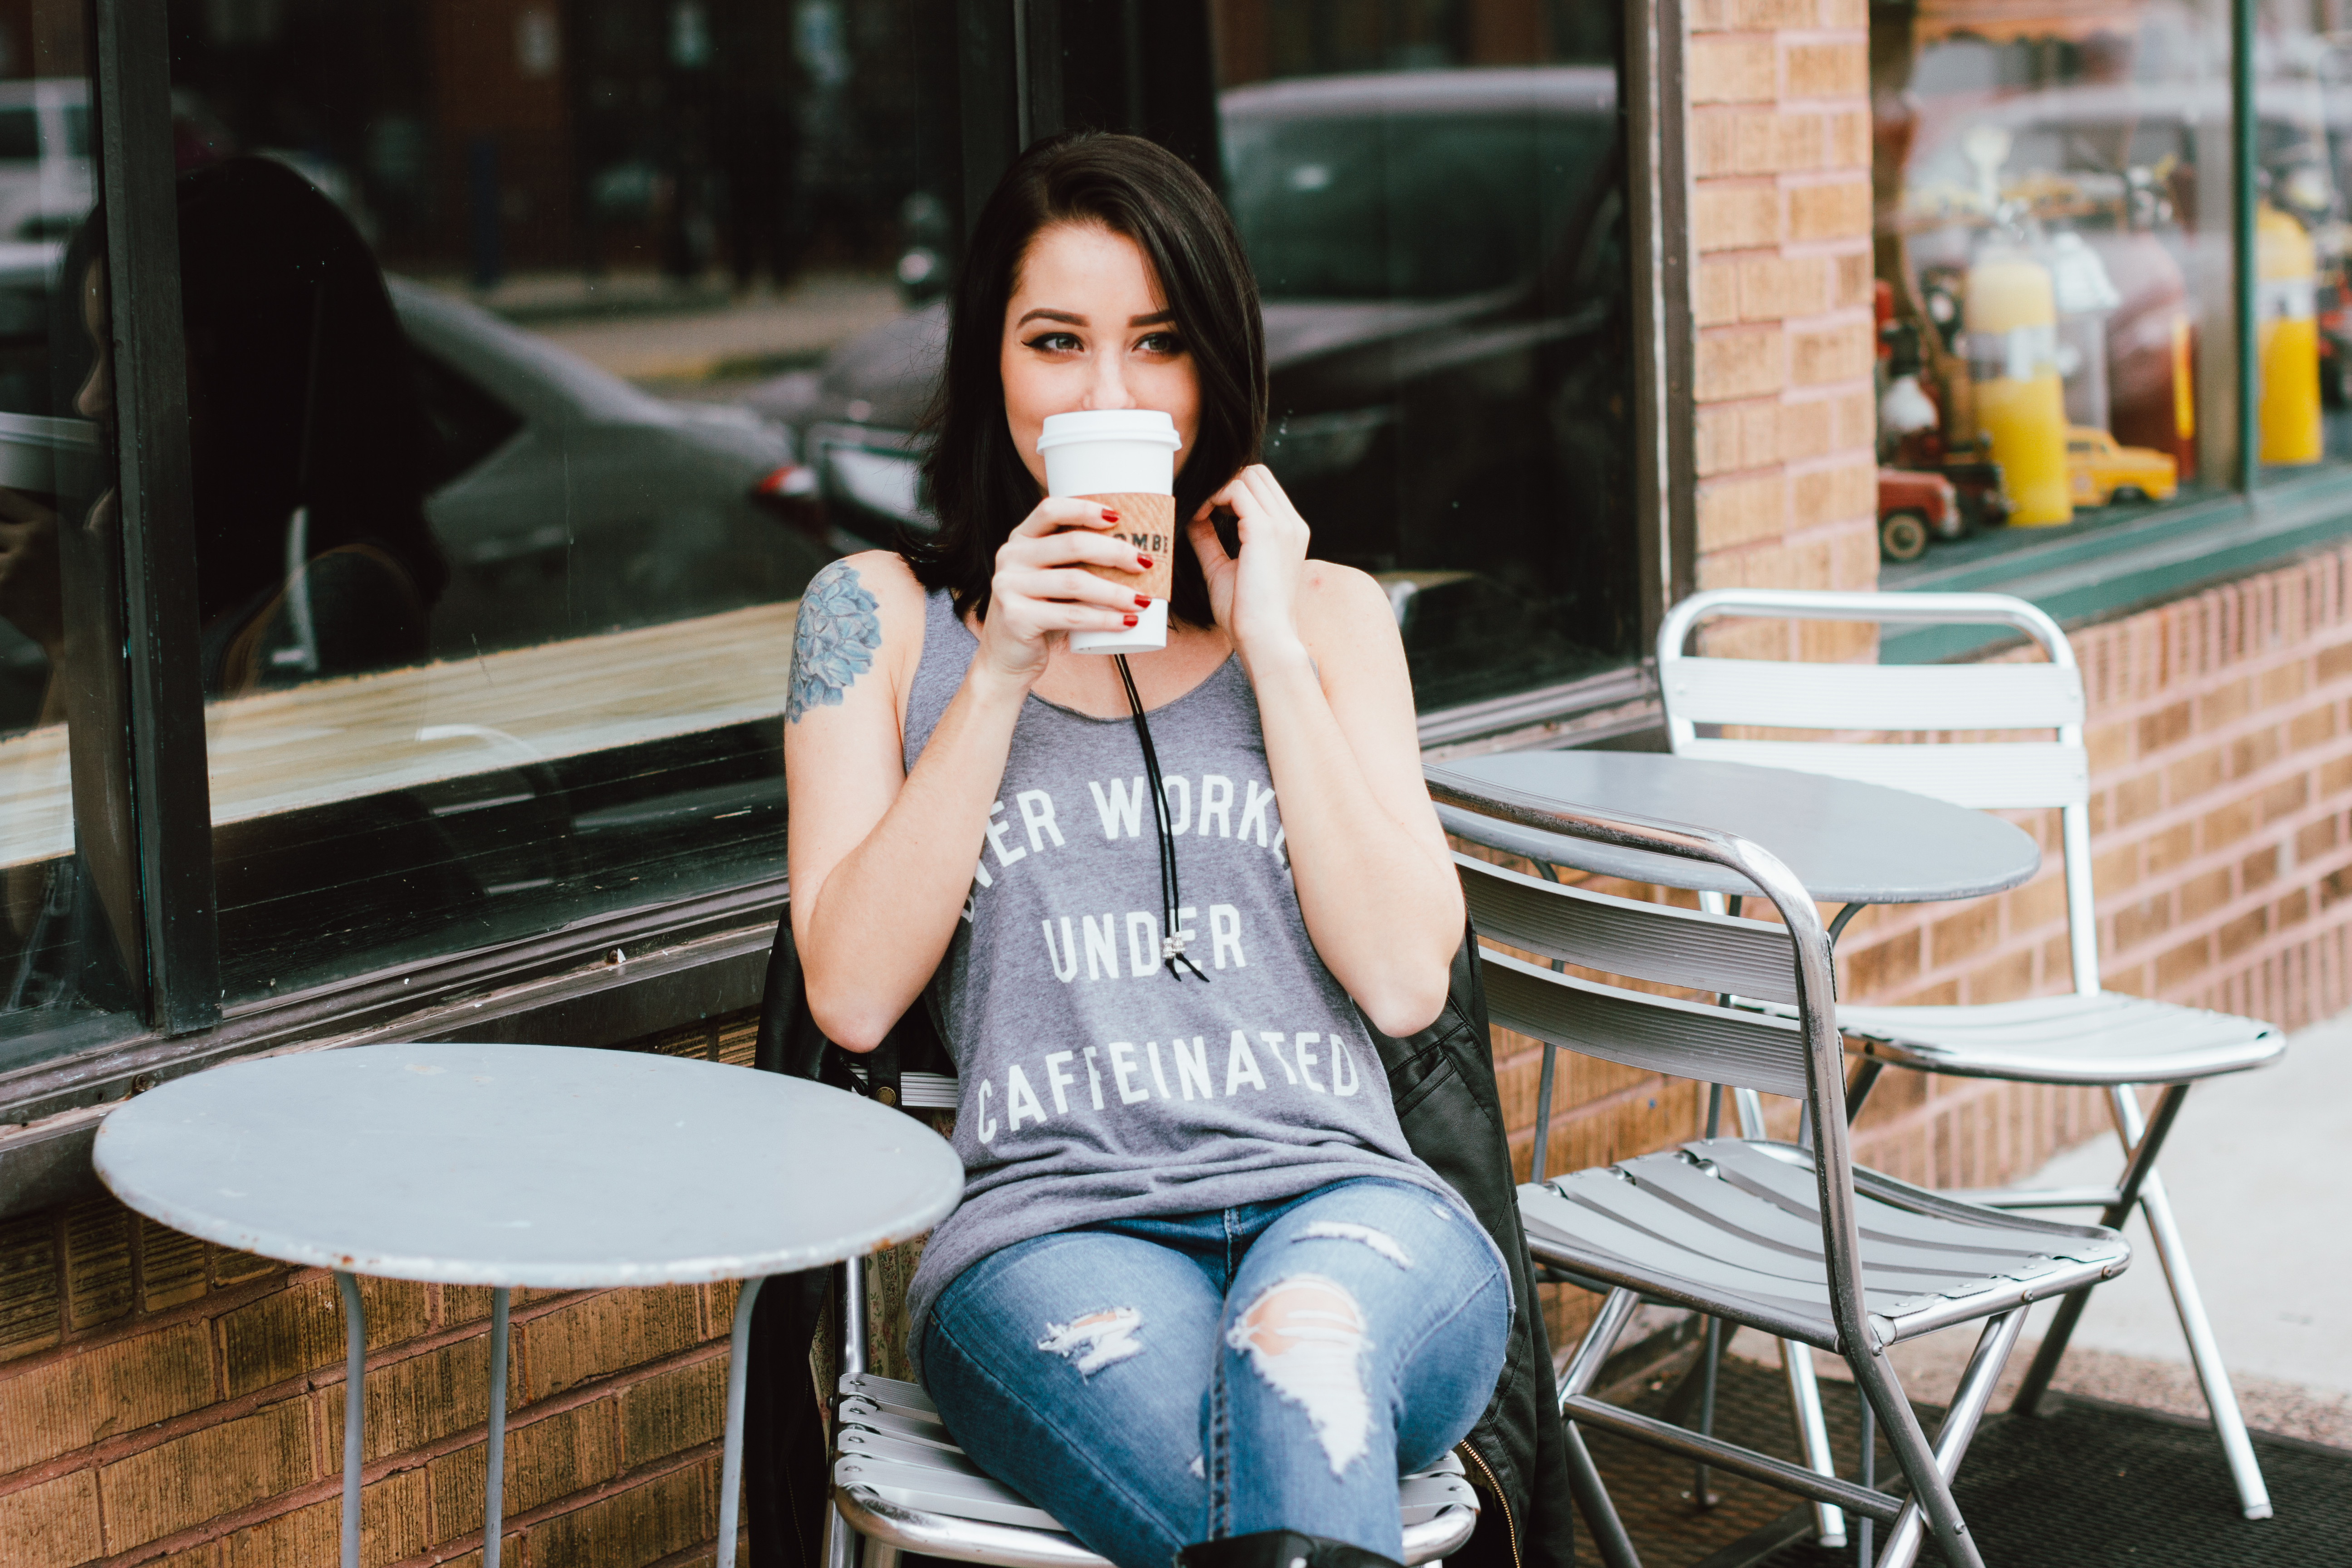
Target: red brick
{"type": "Point", "coordinates": [2183, 963]}
{"type": "Point", "coordinates": [53, 1524]}
{"type": "Point", "coordinates": [102, 1392]}
{"type": "Point", "coordinates": [2168, 726]}
{"type": "Point", "coordinates": [2316, 840]}
{"type": "Point", "coordinates": [2238, 935]}
{"type": "Point", "coordinates": [211, 1471]}
{"type": "Point", "coordinates": [2334, 662]}
{"type": "Point", "coordinates": [2259, 868]}
{"type": "Point", "coordinates": [2286, 796]}
{"type": "Point", "coordinates": [2142, 921]}
{"type": "Point", "coordinates": [2312, 727]}
{"type": "Point", "coordinates": [2226, 827]}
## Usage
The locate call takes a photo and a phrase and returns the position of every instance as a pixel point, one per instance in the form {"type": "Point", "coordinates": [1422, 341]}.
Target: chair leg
{"type": "Point", "coordinates": [1804, 1394]}
{"type": "Point", "coordinates": [1702, 1495]}
{"type": "Point", "coordinates": [1584, 1483]}
{"type": "Point", "coordinates": [1812, 1435]}
{"type": "Point", "coordinates": [1931, 1474]}
{"type": "Point", "coordinates": [2220, 1398]}
{"type": "Point", "coordinates": [1591, 1498]}
{"type": "Point", "coordinates": [2142, 1142]}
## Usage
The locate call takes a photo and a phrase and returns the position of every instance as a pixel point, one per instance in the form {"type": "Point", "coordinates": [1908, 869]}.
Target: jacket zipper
{"type": "Point", "coordinates": [1494, 1490]}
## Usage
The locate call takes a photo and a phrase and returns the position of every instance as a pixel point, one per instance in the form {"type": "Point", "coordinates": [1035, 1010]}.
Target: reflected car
{"type": "Point", "coordinates": [569, 503]}
{"type": "Point", "coordinates": [566, 501]}
{"type": "Point", "coordinates": [1441, 259]}
{"type": "Point", "coordinates": [2101, 471]}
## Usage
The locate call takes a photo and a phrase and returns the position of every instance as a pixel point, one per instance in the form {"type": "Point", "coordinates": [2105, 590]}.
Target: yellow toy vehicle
{"type": "Point", "coordinates": [2101, 472]}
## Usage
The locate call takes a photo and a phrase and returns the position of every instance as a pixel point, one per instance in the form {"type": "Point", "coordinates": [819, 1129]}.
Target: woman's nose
{"type": "Point", "coordinates": [1109, 387]}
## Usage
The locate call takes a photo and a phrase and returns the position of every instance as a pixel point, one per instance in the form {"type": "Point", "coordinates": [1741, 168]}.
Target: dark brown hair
{"type": "Point", "coordinates": [979, 489]}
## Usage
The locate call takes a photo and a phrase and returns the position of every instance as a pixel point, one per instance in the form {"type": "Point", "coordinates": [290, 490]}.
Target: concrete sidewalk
{"type": "Point", "coordinates": [2253, 1167]}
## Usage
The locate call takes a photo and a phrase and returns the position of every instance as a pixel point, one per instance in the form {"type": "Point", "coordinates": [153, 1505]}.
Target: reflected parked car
{"type": "Point", "coordinates": [569, 502]}
{"type": "Point", "coordinates": [1447, 358]}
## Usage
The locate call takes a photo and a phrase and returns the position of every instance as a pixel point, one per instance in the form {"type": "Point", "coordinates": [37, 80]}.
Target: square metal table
{"type": "Point", "coordinates": [540, 1166]}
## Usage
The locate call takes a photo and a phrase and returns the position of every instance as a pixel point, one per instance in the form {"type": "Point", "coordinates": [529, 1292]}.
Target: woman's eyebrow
{"type": "Point", "coordinates": [1152, 319]}
{"type": "Point", "coordinates": [1042, 313]}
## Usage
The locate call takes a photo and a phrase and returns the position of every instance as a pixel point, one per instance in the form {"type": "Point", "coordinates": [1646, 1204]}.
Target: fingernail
{"type": "Point", "coordinates": [1142, 602]}
{"type": "Point", "coordinates": [1109, 516]}
{"type": "Point", "coordinates": [1143, 563]}
{"type": "Point", "coordinates": [1128, 619]}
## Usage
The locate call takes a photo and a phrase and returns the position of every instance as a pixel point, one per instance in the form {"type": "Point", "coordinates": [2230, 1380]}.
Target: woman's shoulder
{"type": "Point", "coordinates": [857, 612]}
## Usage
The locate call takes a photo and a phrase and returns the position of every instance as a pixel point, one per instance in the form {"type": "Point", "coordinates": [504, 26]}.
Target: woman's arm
{"type": "Point", "coordinates": [1376, 884]}
{"type": "Point", "coordinates": [882, 858]}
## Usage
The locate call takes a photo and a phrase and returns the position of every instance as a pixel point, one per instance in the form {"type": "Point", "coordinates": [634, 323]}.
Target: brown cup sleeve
{"type": "Point", "coordinates": [1147, 521]}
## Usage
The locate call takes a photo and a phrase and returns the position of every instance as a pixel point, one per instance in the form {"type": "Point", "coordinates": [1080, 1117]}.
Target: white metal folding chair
{"type": "Point", "coordinates": [1790, 1240]}
{"type": "Point", "coordinates": [902, 1484]}
{"type": "Point", "coordinates": [2087, 1036]}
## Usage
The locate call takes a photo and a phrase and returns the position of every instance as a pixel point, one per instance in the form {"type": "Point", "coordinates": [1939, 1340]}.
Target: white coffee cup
{"type": "Point", "coordinates": [1126, 458]}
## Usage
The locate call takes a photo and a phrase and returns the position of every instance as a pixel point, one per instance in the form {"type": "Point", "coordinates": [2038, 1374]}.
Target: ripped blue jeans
{"type": "Point", "coordinates": [1155, 1382]}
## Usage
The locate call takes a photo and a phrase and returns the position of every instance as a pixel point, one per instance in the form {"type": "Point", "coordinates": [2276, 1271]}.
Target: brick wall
{"type": "Point", "coordinates": [163, 1400]}
{"type": "Point", "coordinates": [1780, 156]}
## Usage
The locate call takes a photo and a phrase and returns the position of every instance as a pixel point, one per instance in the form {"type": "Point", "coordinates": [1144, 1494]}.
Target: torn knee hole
{"type": "Point", "coordinates": [1094, 1342]}
{"type": "Point", "coordinates": [1304, 1338]}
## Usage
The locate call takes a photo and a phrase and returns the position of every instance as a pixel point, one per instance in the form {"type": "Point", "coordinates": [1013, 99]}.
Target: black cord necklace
{"type": "Point", "coordinates": [1171, 945]}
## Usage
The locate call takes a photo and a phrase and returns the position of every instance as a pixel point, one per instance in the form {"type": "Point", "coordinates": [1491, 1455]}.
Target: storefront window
{"type": "Point", "coordinates": [2053, 189]}
{"type": "Point", "coordinates": [71, 954]}
{"type": "Point", "coordinates": [497, 316]}
{"type": "Point", "coordinates": [1435, 204]}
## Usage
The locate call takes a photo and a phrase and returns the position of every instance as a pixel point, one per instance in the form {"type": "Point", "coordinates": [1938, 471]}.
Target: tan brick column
{"type": "Point", "coordinates": [1780, 155]}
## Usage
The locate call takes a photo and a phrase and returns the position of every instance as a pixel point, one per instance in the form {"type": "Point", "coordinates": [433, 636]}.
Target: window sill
{"type": "Point", "coordinates": [2085, 574]}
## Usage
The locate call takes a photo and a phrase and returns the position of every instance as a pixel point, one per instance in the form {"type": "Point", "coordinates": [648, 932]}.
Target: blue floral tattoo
{"type": "Point", "coordinates": [834, 641]}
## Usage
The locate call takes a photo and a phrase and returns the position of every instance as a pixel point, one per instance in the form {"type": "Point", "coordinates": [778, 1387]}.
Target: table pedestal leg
{"type": "Point", "coordinates": [731, 1463]}
{"type": "Point", "coordinates": [494, 1457]}
{"type": "Point", "coordinates": [354, 1405]}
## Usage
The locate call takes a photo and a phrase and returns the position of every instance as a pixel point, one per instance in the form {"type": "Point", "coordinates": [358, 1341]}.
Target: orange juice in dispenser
{"type": "Point", "coordinates": [2286, 332]}
{"type": "Point", "coordinates": [2011, 319]}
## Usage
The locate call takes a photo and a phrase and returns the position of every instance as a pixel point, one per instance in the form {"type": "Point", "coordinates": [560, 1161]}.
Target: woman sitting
{"type": "Point", "coordinates": [1201, 1298]}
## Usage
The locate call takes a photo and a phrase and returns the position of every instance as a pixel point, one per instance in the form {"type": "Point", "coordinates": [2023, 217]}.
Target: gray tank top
{"type": "Point", "coordinates": [1093, 1085]}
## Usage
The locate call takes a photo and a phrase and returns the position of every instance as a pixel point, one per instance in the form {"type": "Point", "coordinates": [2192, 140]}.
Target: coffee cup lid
{"type": "Point", "coordinates": [1108, 425]}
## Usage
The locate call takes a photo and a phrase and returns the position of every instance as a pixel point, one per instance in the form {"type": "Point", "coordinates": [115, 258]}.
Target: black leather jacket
{"type": "Point", "coordinates": [1443, 1082]}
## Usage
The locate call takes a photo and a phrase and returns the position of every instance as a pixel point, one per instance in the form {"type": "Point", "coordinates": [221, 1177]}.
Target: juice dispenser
{"type": "Point", "coordinates": [2286, 266]}
{"type": "Point", "coordinates": [2011, 320]}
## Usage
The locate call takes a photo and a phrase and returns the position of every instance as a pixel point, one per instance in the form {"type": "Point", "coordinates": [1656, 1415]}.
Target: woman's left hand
{"type": "Point", "coordinates": [1255, 596]}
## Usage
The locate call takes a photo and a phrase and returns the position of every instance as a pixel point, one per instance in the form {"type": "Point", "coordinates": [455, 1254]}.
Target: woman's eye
{"type": "Point", "coordinates": [1056, 342]}
{"type": "Point", "coordinates": [1163, 343]}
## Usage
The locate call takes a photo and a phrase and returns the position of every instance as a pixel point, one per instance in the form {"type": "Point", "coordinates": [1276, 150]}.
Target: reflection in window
{"type": "Point", "coordinates": [2054, 255]}
{"type": "Point", "coordinates": [71, 956]}
{"type": "Point", "coordinates": [1436, 218]}
{"type": "Point", "coordinates": [484, 312]}
{"type": "Point", "coordinates": [2303, 246]}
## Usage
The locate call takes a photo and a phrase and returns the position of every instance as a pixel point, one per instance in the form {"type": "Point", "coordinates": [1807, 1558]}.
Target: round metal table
{"type": "Point", "coordinates": [1848, 843]}
{"type": "Point", "coordinates": [525, 1165]}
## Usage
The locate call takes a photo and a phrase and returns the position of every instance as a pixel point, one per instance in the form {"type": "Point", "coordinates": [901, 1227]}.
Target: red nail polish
{"type": "Point", "coordinates": [1128, 619]}
{"type": "Point", "coordinates": [1143, 563]}
{"type": "Point", "coordinates": [1109, 516]}
{"type": "Point", "coordinates": [1142, 602]}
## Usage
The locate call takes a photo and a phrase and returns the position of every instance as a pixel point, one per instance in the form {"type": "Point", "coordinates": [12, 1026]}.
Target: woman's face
{"type": "Point", "coordinates": [1088, 328]}
{"type": "Point", "coordinates": [96, 398]}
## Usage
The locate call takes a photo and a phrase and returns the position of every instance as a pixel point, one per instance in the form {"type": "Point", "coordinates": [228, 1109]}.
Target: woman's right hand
{"type": "Point", "coordinates": [1040, 595]}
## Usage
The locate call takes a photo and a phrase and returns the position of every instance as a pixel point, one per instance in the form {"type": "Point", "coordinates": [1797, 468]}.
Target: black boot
{"type": "Point", "coordinates": [1279, 1548]}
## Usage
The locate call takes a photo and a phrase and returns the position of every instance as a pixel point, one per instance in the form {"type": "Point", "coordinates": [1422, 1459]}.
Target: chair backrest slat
{"type": "Point", "coordinates": [1657, 943]}
{"type": "Point", "coordinates": [1998, 776]}
{"type": "Point", "coordinates": [1874, 696]}
{"type": "Point", "coordinates": [1902, 700]}
{"type": "Point", "coordinates": [1655, 1034]}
